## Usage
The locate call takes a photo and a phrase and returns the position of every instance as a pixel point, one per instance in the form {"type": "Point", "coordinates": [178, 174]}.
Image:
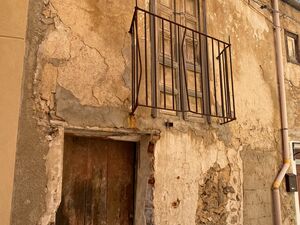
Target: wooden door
{"type": "Point", "coordinates": [298, 180]}
{"type": "Point", "coordinates": [98, 182]}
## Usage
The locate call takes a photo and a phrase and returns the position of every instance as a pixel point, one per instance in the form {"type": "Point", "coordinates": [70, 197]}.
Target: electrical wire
{"type": "Point", "coordinates": [247, 2]}
{"type": "Point", "coordinates": [264, 5]}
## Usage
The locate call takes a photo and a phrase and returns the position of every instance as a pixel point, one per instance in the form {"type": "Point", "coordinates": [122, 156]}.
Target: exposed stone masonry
{"type": "Point", "coordinates": [213, 197]}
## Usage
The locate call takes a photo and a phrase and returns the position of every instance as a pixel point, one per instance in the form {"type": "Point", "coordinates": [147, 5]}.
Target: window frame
{"type": "Point", "coordinates": [295, 37]}
{"type": "Point", "coordinates": [153, 6]}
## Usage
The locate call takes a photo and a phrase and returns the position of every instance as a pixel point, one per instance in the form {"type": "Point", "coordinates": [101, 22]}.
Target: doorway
{"type": "Point", "coordinates": [98, 182]}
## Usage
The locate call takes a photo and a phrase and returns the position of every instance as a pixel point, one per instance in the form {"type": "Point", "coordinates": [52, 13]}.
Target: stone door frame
{"type": "Point", "coordinates": [145, 141]}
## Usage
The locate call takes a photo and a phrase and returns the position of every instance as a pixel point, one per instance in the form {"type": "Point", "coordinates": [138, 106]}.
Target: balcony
{"type": "Point", "coordinates": [180, 70]}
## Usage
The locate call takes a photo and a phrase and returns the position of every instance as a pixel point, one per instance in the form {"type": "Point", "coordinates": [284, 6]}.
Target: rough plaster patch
{"type": "Point", "coordinates": [48, 83]}
{"type": "Point", "coordinates": [90, 22]}
{"type": "Point", "coordinates": [69, 108]}
{"type": "Point", "coordinates": [173, 159]}
{"type": "Point", "coordinates": [293, 96]}
{"type": "Point", "coordinates": [54, 166]}
{"type": "Point", "coordinates": [82, 69]}
{"type": "Point", "coordinates": [261, 102]}
{"type": "Point", "coordinates": [56, 44]}
{"type": "Point", "coordinates": [183, 160]}
{"type": "Point", "coordinates": [258, 24]}
{"type": "Point", "coordinates": [81, 73]}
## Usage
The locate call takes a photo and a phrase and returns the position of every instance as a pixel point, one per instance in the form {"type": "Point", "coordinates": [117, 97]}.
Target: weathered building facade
{"type": "Point", "coordinates": [83, 156]}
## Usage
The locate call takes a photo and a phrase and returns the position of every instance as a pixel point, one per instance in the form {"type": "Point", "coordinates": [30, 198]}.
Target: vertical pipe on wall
{"type": "Point", "coordinates": [283, 111]}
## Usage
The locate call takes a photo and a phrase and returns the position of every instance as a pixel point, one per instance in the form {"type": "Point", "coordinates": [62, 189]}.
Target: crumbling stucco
{"type": "Point", "coordinates": [180, 195]}
{"type": "Point", "coordinates": [199, 173]}
{"type": "Point", "coordinates": [54, 168]}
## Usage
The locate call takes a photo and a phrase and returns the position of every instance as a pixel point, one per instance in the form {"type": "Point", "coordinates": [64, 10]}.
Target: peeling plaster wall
{"type": "Point", "coordinates": [258, 110]}
{"type": "Point", "coordinates": [185, 161]}
{"type": "Point", "coordinates": [77, 71]}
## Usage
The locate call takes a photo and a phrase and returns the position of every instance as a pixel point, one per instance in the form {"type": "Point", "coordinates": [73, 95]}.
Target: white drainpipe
{"type": "Point", "coordinates": [284, 122]}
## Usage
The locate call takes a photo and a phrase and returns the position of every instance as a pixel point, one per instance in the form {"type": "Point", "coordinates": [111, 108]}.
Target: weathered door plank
{"type": "Point", "coordinates": [98, 181]}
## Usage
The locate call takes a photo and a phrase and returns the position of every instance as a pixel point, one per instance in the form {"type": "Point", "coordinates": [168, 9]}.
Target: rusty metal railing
{"type": "Point", "coordinates": [177, 68]}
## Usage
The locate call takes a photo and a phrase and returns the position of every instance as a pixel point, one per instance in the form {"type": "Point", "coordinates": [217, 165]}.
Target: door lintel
{"type": "Point", "coordinates": [119, 134]}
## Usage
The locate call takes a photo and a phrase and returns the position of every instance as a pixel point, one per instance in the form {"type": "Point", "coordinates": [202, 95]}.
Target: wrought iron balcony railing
{"type": "Point", "coordinates": [177, 68]}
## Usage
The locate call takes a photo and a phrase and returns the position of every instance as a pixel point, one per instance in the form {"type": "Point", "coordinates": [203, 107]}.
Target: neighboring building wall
{"type": "Point", "coordinates": [77, 71]}
{"type": "Point", "coordinates": [13, 17]}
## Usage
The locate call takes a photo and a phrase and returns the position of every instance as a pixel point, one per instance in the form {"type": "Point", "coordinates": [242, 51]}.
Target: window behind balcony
{"type": "Point", "coordinates": [184, 12]}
